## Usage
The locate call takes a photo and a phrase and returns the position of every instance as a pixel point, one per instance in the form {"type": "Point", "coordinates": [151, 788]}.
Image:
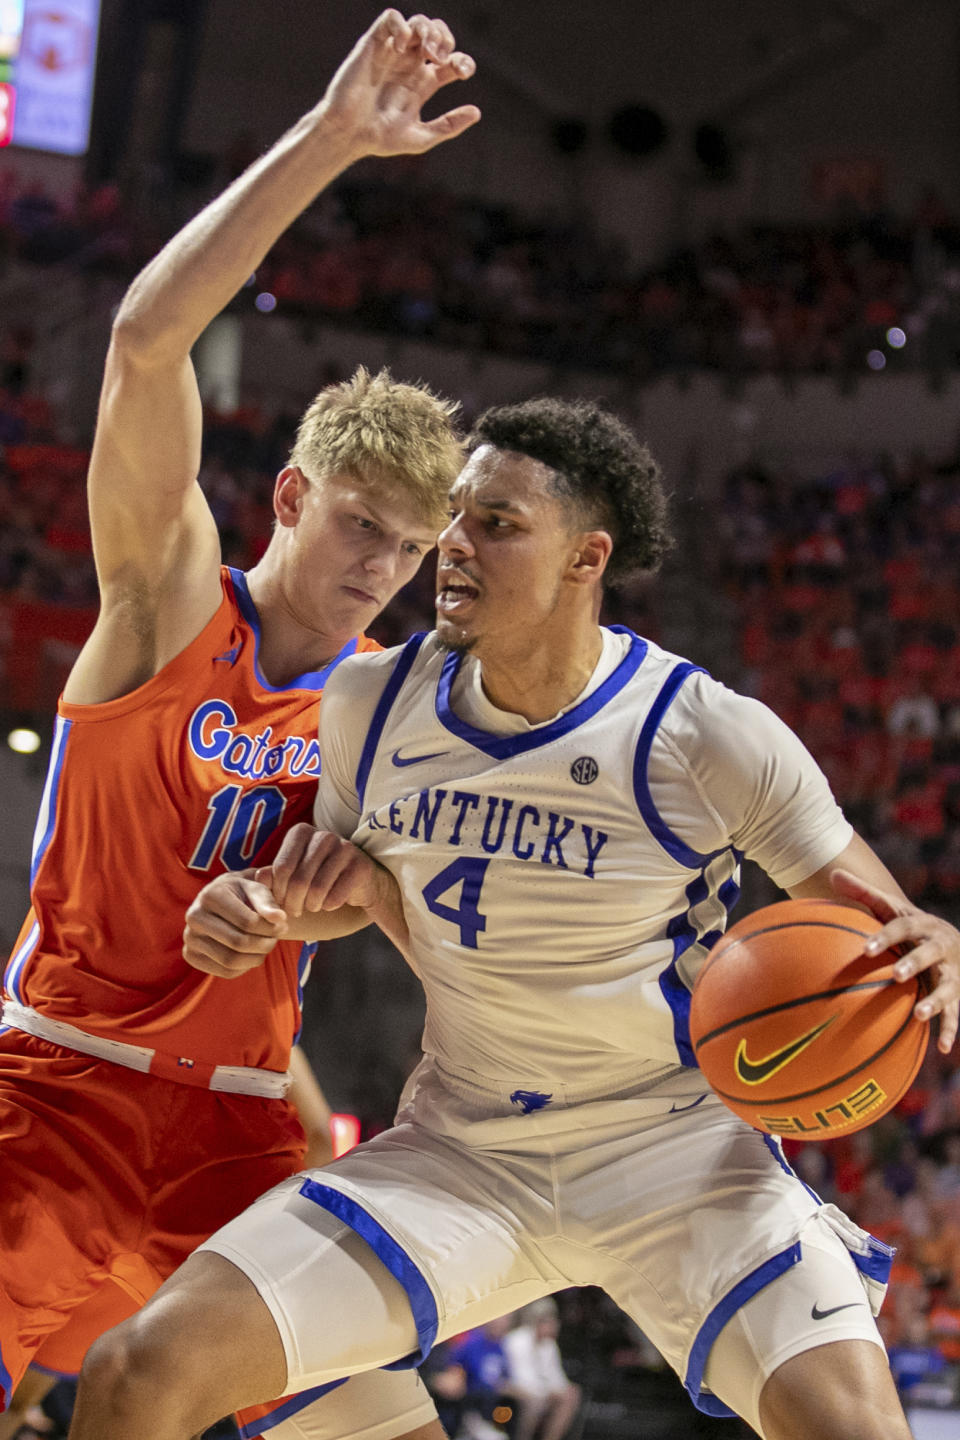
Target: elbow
{"type": "Point", "coordinates": [134, 343]}
{"type": "Point", "coordinates": [140, 337]}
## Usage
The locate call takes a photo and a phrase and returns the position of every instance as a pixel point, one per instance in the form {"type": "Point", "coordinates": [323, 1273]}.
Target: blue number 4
{"type": "Point", "coordinates": [468, 873]}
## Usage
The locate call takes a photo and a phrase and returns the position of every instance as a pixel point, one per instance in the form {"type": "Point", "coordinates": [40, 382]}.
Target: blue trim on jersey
{"type": "Point", "coordinates": [733, 1301]}
{"type": "Point", "coordinates": [51, 791]}
{"type": "Point", "coordinates": [683, 933]}
{"type": "Point", "coordinates": [401, 670]}
{"type": "Point", "coordinates": [676, 848]}
{"type": "Point", "coordinates": [6, 1383]}
{"type": "Point", "coordinates": [677, 995]}
{"type": "Point", "coordinates": [288, 1408]}
{"type": "Point", "coordinates": [729, 892]}
{"type": "Point", "coordinates": [304, 961]}
{"type": "Point", "coordinates": [504, 747]}
{"type": "Point", "coordinates": [15, 969]}
{"type": "Point", "coordinates": [311, 679]}
{"type": "Point", "coordinates": [393, 1255]}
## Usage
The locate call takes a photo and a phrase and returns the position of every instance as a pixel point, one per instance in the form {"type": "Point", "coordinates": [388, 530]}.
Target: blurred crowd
{"type": "Point", "coordinates": [846, 586]}
{"type": "Point", "coordinates": [48, 588]}
{"type": "Point", "coordinates": [505, 1378]}
{"type": "Point", "coordinates": [860, 289]}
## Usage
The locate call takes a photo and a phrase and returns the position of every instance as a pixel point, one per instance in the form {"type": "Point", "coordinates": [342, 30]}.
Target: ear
{"type": "Point", "coordinates": [592, 551]}
{"type": "Point", "coordinates": [288, 495]}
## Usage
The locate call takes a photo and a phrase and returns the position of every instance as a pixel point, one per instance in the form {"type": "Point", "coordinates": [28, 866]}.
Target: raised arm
{"type": "Point", "coordinates": [155, 542]}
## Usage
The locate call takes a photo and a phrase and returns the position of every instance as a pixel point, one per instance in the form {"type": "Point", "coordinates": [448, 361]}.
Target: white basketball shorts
{"type": "Point", "coordinates": [663, 1197]}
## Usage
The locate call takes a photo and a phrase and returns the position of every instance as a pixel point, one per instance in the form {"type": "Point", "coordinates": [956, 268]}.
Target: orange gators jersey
{"type": "Point", "coordinates": [200, 770]}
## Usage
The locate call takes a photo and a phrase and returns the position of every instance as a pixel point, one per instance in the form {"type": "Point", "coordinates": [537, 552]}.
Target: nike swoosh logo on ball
{"type": "Point", "coordinates": [754, 1072]}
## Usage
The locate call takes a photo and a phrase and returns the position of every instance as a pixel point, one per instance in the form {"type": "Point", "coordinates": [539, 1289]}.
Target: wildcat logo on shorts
{"type": "Point", "coordinates": [831, 1118]}
{"type": "Point", "coordinates": [530, 1100]}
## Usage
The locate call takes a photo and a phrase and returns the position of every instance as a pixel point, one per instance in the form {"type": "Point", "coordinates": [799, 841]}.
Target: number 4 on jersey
{"type": "Point", "coordinates": [468, 873]}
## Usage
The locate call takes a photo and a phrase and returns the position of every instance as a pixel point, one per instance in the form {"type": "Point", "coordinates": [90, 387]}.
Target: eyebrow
{"type": "Point", "coordinates": [427, 539]}
{"type": "Point", "coordinates": [494, 504]}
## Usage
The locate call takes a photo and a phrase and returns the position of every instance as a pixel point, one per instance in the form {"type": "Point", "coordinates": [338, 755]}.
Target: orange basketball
{"type": "Point", "coordinates": [797, 1030]}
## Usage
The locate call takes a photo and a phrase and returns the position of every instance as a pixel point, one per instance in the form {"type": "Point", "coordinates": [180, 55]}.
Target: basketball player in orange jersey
{"type": "Point", "coordinates": [141, 1102]}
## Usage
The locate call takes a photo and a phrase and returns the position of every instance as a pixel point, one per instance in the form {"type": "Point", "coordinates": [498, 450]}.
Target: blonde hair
{"type": "Point", "coordinates": [384, 433]}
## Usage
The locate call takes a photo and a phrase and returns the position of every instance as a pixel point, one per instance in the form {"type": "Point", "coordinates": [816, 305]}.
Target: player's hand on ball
{"type": "Point", "coordinates": [316, 870]}
{"type": "Point", "coordinates": [376, 96]}
{"type": "Point", "coordinates": [932, 944]}
{"type": "Point", "coordinates": [232, 926]}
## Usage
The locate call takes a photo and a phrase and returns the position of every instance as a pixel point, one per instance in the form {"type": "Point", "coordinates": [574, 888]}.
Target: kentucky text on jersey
{"type": "Point", "coordinates": [462, 816]}
{"type": "Point", "coordinates": [213, 736]}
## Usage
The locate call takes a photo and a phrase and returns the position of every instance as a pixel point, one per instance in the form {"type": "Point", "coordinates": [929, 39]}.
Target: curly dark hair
{"type": "Point", "coordinates": [599, 465]}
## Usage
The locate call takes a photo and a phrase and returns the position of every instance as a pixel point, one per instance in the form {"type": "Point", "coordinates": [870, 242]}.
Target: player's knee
{"type": "Point", "coordinates": [115, 1363]}
{"type": "Point", "coordinates": [131, 1367]}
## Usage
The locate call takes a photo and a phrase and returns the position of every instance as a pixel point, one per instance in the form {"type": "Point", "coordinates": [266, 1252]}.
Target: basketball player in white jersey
{"type": "Point", "coordinates": [563, 809]}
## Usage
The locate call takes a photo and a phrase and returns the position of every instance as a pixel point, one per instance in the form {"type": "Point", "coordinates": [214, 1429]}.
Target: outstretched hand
{"type": "Point", "coordinates": [931, 942]}
{"type": "Point", "coordinates": [377, 95]}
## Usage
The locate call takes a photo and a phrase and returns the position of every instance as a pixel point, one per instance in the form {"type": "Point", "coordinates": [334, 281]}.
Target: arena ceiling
{"type": "Point", "coordinates": [690, 57]}
{"type": "Point", "coordinates": [724, 58]}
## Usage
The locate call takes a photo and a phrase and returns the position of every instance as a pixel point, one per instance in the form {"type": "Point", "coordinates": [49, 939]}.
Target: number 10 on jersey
{"type": "Point", "coordinates": [240, 823]}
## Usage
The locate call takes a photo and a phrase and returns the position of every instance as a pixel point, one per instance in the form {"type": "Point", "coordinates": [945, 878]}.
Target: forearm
{"type": "Point", "coordinates": [199, 271]}
{"type": "Point", "coordinates": [386, 913]}
{"type": "Point", "coordinates": [316, 925]}
{"type": "Point", "coordinates": [860, 860]}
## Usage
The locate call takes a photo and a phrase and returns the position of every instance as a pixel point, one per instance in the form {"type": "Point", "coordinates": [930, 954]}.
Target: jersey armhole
{"type": "Point", "coordinates": [676, 848]}
{"type": "Point", "coordinates": [391, 690]}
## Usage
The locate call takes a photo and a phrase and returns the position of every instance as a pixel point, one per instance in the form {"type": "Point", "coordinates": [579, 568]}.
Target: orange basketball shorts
{"type": "Point", "coordinates": [110, 1178]}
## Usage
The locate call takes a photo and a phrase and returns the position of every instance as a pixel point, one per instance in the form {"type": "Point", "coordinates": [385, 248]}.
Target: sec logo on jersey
{"type": "Point", "coordinates": [585, 770]}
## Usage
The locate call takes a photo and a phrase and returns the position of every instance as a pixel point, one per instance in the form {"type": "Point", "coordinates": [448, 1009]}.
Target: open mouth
{"type": "Point", "coordinates": [455, 597]}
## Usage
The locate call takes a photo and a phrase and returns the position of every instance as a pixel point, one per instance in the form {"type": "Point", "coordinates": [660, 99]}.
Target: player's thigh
{"type": "Point", "coordinates": [377, 1405]}
{"type": "Point", "coordinates": [815, 1304]}
{"type": "Point", "coordinates": [414, 1239]}
{"type": "Point", "coordinates": [842, 1391]}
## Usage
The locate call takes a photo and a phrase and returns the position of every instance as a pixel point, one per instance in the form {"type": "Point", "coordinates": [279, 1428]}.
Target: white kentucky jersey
{"type": "Point", "coordinates": [563, 881]}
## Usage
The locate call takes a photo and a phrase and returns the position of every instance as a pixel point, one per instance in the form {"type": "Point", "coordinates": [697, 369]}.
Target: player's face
{"type": "Point", "coordinates": [353, 549]}
{"type": "Point", "coordinates": [503, 555]}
